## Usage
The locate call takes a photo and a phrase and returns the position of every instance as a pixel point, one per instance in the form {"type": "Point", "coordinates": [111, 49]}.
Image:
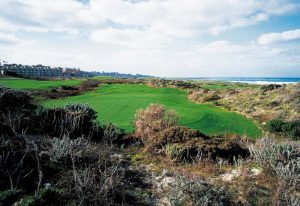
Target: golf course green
{"type": "Point", "coordinates": [117, 103]}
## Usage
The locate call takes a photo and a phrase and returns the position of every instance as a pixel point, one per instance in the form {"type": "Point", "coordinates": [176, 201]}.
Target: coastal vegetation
{"type": "Point", "coordinates": [129, 142]}
{"type": "Point", "coordinates": [262, 104]}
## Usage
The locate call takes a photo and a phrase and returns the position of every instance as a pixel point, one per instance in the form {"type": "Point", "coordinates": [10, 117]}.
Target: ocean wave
{"type": "Point", "coordinates": [262, 82]}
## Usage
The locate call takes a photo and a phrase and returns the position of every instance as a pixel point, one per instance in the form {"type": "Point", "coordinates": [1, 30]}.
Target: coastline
{"type": "Point", "coordinates": [244, 80]}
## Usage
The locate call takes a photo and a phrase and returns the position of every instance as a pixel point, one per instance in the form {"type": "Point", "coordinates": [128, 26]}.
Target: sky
{"type": "Point", "coordinates": [167, 38]}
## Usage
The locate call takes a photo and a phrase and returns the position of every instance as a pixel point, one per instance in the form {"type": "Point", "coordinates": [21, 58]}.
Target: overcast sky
{"type": "Point", "coordinates": [187, 38]}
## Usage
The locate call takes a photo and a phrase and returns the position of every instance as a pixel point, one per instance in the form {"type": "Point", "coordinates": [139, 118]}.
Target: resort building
{"type": "Point", "coordinates": [40, 71]}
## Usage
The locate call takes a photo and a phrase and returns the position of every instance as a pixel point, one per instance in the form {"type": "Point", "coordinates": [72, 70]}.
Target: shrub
{"type": "Point", "coordinates": [184, 144]}
{"type": "Point", "coordinates": [74, 120]}
{"type": "Point", "coordinates": [82, 109]}
{"type": "Point", "coordinates": [172, 135]}
{"type": "Point", "coordinates": [63, 149]}
{"type": "Point", "coordinates": [196, 191]}
{"type": "Point", "coordinates": [269, 154]}
{"type": "Point", "coordinates": [270, 87]}
{"type": "Point", "coordinates": [211, 97]}
{"type": "Point", "coordinates": [59, 171]}
{"type": "Point", "coordinates": [15, 102]}
{"type": "Point", "coordinates": [213, 148]}
{"type": "Point", "coordinates": [152, 120]}
{"type": "Point", "coordinates": [275, 125]}
{"type": "Point", "coordinates": [67, 87]}
{"type": "Point", "coordinates": [113, 134]}
{"type": "Point", "coordinates": [16, 106]}
{"type": "Point", "coordinates": [92, 175]}
{"type": "Point", "coordinates": [283, 161]}
{"type": "Point", "coordinates": [19, 163]}
{"type": "Point", "coordinates": [90, 83]}
{"type": "Point", "coordinates": [290, 129]}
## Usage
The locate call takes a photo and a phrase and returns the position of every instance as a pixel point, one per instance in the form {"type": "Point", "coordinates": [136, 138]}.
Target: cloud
{"type": "Point", "coordinates": [286, 36]}
{"type": "Point", "coordinates": [215, 58]}
{"type": "Point", "coordinates": [168, 17]}
{"type": "Point", "coordinates": [130, 38]}
{"type": "Point", "coordinates": [158, 37]}
{"type": "Point", "coordinates": [8, 39]}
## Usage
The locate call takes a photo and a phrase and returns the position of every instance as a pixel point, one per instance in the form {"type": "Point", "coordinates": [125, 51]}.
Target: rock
{"type": "Point", "coordinates": [255, 171]}
{"type": "Point", "coordinates": [228, 177]}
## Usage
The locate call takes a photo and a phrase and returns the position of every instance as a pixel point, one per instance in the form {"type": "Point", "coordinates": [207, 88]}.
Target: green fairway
{"type": "Point", "coordinates": [37, 84]}
{"type": "Point", "coordinates": [118, 103]}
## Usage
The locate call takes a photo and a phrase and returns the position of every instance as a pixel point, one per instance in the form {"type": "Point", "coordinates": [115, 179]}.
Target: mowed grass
{"type": "Point", "coordinates": [118, 103]}
{"type": "Point", "coordinates": [37, 84]}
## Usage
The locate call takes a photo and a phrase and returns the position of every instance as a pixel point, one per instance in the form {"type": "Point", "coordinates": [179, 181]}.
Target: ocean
{"type": "Point", "coordinates": [249, 80]}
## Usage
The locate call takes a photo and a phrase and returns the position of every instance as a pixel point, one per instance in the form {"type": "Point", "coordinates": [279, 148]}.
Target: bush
{"type": "Point", "coordinates": [16, 107]}
{"type": "Point", "coordinates": [213, 148]}
{"type": "Point", "coordinates": [196, 191]}
{"type": "Point", "coordinates": [91, 175]}
{"type": "Point", "coordinates": [270, 87]}
{"type": "Point", "coordinates": [184, 144]}
{"type": "Point", "coordinates": [82, 109]}
{"type": "Point", "coordinates": [269, 154]}
{"type": "Point", "coordinates": [90, 83]}
{"type": "Point", "coordinates": [281, 160]}
{"type": "Point", "coordinates": [172, 135]}
{"type": "Point", "coordinates": [275, 125]}
{"type": "Point", "coordinates": [152, 120]}
{"type": "Point", "coordinates": [15, 101]}
{"type": "Point", "coordinates": [113, 134]}
{"type": "Point", "coordinates": [36, 170]}
{"type": "Point", "coordinates": [19, 163]}
{"type": "Point", "coordinates": [290, 129]}
{"type": "Point", "coordinates": [211, 97]}
{"type": "Point", "coordinates": [64, 149]}
{"type": "Point", "coordinates": [67, 87]}
{"type": "Point", "coordinates": [74, 120]}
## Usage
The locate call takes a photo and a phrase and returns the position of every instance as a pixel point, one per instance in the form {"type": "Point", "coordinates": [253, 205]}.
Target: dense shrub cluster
{"type": "Point", "coordinates": [19, 114]}
{"type": "Point", "coordinates": [74, 120]}
{"type": "Point", "coordinates": [270, 87]}
{"type": "Point", "coordinates": [50, 156]}
{"type": "Point", "coordinates": [59, 171]}
{"type": "Point", "coordinates": [153, 119]}
{"type": "Point", "coordinates": [93, 176]}
{"type": "Point", "coordinates": [90, 83]}
{"type": "Point", "coordinates": [16, 109]}
{"type": "Point", "coordinates": [205, 95]}
{"type": "Point", "coordinates": [211, 97]}
{"type": "Point", "coordinates": [176, 134]}
{"type": "Point", "coordinates": [183, 144]}
{"type": "Point", "coordinates": [160, 134]}
{"type": "Point", "coordinates": [283, 161]}
{"type": "Point", "coordinates": [195, 191]}
{"type": "Point", "coordinates": [287, 128]}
